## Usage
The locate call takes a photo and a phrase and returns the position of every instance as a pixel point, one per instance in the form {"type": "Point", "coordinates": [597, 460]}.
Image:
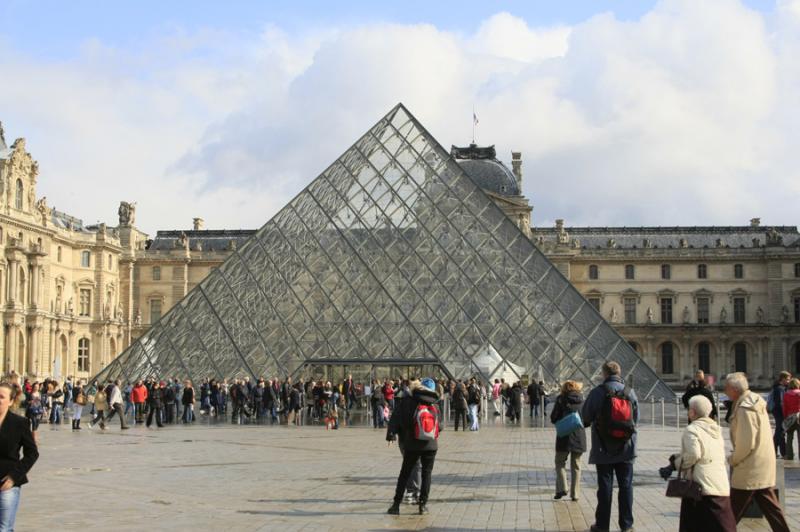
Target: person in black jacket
{"type": "Point", "coordinates": [188, 401]}
{"type": "Point", "coordinates": [698, 386]}
{"type": "Point", "coordinates": [15, 435]}
{"type": "Point", "coordinates": [155, 403]}
{"type": "Point", "coordinates": [460, 405]}
{"type": "Point", "coordinates": [401, 424]}
{"type": "Point", "coordinates": [573, 445]}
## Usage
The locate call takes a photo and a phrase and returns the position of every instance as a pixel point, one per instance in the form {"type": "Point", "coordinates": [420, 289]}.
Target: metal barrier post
{"type": "Point", "coordinates": [653, 411]}
{"type": "Point", "coordinates": [541, 411]}
{"type": "Point", "coordinates": [678, 413]}
{"type": "Point", "coordinates": [446, 410]}
{"type": "Point", "coordinates": [663, 420]}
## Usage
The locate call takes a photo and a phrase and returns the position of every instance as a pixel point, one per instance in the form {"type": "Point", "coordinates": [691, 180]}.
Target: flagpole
{"type": "Point", "coordinates": [473, 124]}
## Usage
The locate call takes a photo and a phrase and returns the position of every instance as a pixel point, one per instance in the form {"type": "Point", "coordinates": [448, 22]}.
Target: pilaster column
{"type": "Point", "coordinates": [13, 269]}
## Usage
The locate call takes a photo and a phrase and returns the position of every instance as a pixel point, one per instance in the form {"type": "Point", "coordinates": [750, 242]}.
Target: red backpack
{"type": "Point", "coordinates": [426, 422]}
{"type": "Point", "coordinates": [615, 423]}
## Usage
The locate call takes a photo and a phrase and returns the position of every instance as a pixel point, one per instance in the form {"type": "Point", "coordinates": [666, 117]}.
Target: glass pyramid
{"type": "Point", "coordinates": [391, 255]}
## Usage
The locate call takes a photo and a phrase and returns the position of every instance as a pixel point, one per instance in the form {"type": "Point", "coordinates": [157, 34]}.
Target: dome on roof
{"type": "Point", "coordinates": [486, 171]}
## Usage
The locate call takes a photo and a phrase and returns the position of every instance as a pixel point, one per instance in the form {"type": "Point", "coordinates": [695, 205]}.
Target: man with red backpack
{"type": "Point", "coordinates": [612, 411]}
{"type": "Point", "coordinates": [416, 421]}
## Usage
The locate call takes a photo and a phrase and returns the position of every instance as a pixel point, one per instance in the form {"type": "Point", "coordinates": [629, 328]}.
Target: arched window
{"type": "Point", "coordinates": [704, 357]}
{"type": "Point", "coordinates": [58, 254]}
{"type": "Point", "coordinates": [83, 354]}
{"type": "Point", "coordinates": [593, 271]}
{"type": "Point", "coordinates": [18, 197]}
{"type": "Point", "coordinates": [667, 358]}
{"type": "Point", "coordinates": [740, 357]}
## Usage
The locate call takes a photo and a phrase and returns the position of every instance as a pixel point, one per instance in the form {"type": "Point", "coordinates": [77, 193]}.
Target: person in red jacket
{"type": "Point", "coordinates": [388, 393]}
{"type": "Point", "coordinates": [139, 397]}
{"type": "Point", "coordinates": [791, 407]}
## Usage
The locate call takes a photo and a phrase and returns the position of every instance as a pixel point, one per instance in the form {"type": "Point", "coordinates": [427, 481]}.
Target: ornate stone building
{"type": "Point", "coordinates": [716, 298]}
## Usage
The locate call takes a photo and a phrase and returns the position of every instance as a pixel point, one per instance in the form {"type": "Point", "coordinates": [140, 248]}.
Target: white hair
{"type": "Point", "coordinates": [701, 405]}
{"type": "Point", "coordinates": [738, 381]}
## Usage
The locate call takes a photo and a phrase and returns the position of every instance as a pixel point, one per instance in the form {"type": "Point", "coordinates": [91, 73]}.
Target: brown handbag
{"type": "Point", "coordinates": [683, 488]}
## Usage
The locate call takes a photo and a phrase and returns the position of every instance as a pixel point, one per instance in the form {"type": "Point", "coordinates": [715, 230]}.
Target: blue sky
{"type": "Point", "coordinates": [675, 112]}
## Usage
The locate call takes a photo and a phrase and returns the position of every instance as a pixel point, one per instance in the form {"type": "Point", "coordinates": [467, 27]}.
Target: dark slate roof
{"type": "Point", "coordinates": [666, 237]}
{"type": "Point", "coordinates": [65, 221]}
{"type": "Point", "coordinates": [481, 164]}
{"type": "Point", "coordinates": [209, 240]}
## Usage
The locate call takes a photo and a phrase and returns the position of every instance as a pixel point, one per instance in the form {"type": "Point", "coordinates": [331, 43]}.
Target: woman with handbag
{"type": "Point", "coordinates": [570, 438]}
{"type": "Point", "coordinates": [702, 480]}
{"type": "Point", "coordinates": [78, 402]}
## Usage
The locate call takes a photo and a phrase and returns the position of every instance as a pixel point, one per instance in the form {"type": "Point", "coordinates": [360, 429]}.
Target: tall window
{"type": "Point", "coordinates": [797, 310]}
{"type": "Point", "coordinates": [797, 269]}
{"type": "Point", "coordinates": [666, 271]}
{"type": "Point", "coordinates": [630, 310]}
{"type": "Point", "coordinates": [595, 302]}
{"type": "Point", "coordinates": [666, 310]}
{"type": "Point", "coordinates": [630, 271]}
{"type": "Point", "coordinates": [86, 259]}
{"type": "Point", "coordinates": [18, 197]}
{"type": "Point", "coordinates": [109, 261]}
{"type": "Point", "coordinates": [667, 359]}
{"type": "Point", "coordinates": [738, 310]}
{"type": "Point", "coordinates": [702, 309]}
{"type": "Point", "coordinates": [58, 254]}
{"type": "Point", "coordinates": [702, 271]}
{"type": "Point", "coordinates": [738, 271]}
{"type": "Point", "coordinates": [83, 354]}
{"type": "Point", "coordinates": [740, 357]}
{"type": "Point", "coordinates": [85, 308]}
{"type": "Point", "coordinates": [704, 357]}
{"type": "Point", "coordinates": [593, 271]}
{"type": "Point", "coordinates": [155, 310]}
{"type": "Point", "coordinates": [156, 273]}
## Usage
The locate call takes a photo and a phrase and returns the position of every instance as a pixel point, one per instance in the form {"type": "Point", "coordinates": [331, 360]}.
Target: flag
{"type": "Point", "coordinates": [474, 118]}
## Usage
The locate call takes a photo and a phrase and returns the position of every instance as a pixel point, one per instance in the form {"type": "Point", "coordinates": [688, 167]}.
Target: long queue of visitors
{"type": "Point", "coordinates": [412, 411]}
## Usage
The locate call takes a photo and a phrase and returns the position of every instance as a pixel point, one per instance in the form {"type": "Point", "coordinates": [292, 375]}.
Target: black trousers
{"type": "Point", "coordinates": [462, 415]}
{"type": "Point", "coordinates": [157, 411]}
{"type": "Point", "coordinates": [410, 458]}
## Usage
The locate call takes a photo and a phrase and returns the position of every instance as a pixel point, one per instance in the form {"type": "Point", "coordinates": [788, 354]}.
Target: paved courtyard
{"type": "Point", "coordinates": [221, 477]}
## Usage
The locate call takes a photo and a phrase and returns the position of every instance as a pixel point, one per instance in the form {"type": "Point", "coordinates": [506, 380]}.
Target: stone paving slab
{"type": "Point", "coordinates": [220, 476]}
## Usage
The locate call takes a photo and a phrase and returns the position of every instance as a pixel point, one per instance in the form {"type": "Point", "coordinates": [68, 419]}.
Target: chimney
{"type": "Point", "coordinates": [755, 222]}
{"type": "Point", "coordinates": [197, 224]}
{"type": "Point", "coordinates": [516, 167]}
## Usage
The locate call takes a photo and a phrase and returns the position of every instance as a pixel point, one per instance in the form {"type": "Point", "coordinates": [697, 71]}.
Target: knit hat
{"type": "Point", "coordinates": [429, 384]}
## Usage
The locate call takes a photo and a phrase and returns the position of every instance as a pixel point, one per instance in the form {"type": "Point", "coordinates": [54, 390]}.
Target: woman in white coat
{"type": "Point", "coordinates": [702, 459]}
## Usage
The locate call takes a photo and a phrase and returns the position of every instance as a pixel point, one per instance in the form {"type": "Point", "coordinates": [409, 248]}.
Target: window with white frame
{"type": "Point", "coordinates": [83, 354]}
{"type": "Point", "coordinates": [86, 259]}
{"type": "Point", "coordinates": [85, 302]}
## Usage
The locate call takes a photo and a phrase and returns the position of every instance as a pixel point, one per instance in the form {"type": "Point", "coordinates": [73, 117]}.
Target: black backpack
{"type": "Point", "coordinates": [615, 424]}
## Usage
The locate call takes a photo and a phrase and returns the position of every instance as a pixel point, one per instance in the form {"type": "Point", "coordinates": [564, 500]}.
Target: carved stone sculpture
{"type": "Point", "coordinates": [686, 314]}
{"type": "Point", "coordinates": [759, 315]}
{"type": "Point", "coordinates": [649, 315]}
{"type": "Point", "coordinates": [723, 315]}
{"type": "Point", "coordinates": [127, 213]}
{"type": "Point", "coordinates": [613, 316]}
{"type": "Point", "coordinates": [785, 314]}
{"type": "Point", "coordinates": [70, 307]}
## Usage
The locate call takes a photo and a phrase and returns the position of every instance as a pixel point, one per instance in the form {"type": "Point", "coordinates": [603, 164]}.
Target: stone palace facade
{"type": "Point", "coordinates": [715, 298]}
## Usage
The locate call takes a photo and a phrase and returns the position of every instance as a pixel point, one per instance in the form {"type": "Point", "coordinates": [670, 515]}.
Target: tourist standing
{"type": "Point", "coordinates": [533, 398]}
{"type": "Point", "coordinates": [571, 446]}
{"type": "Point", "coordinates": [702, 460]}
{"type": "Point", "coordinates": [155, 404]}
{"type": "Point", "coordinates": [791, 415]}
{"type": "Point", "coordinates": [416, 422]}
{"type": "Point", "coordinates": [138, 396]}
{"type": "Point", "coordinates": [78, 402]}
{"type": "Point", "coordinates": [34, 410]}
{"type": "Point", "coordinates": [188, 401]}
{"type": "Point", "coordinates": [56, 396]}
{"type": "Point", "coordinates": [613, 444]}
{"type": "Point", "coordinates": [15, 436]}
{"type": "Point", "coordinates": [699, 386]}
{"type": "Point", "coordinates": [474, 404]}
{"type": "Point", "coordinates": [496, 400]}
{"type": "Point", "coordinates": [459, 405]}
{"type": "Point", "coordinates": [775, 407]}
{"type": "Point", "coordinates": [377, 403]}
{"type": "Point", "coordinates": [753, 457]}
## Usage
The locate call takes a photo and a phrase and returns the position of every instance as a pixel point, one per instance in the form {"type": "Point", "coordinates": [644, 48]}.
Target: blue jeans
{"type": "Point", "coordinates": [377, 416]}
{"type": "Point", "coordinates": [9, 502]}
{"type": "Point", "coordinates": [55, 414]}
{"type": "Point", "coordinates": [605, 492]}
{"type": "Point", "coordinates": [473, 414]}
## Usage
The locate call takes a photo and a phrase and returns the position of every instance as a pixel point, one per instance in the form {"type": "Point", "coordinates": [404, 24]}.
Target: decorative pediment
{"type": "Point", "coordinates": [156, 295]}
{"type": "Point", "coordinates": [595, 293]}
{"type": "Point", "coordinates": [703, 293]}
{"type": "Point", "coordinates": [667, 294]}
{"type": "Point", "coordinates": [86, 282]}
{"type": "Point", "coordinates": [630, 292]}
{"type": "Point", "coordinates": [739, 293]}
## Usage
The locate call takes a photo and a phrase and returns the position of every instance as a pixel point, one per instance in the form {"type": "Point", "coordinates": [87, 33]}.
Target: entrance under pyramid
{"type": "Point", "coordinates": [393, 256]}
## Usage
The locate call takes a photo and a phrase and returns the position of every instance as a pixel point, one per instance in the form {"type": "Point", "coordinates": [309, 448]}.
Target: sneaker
{"type": "Point", "coordinates": [394, 509]}
{"type": "Point", "coordinates": [560, 495]}
{"type": "Point", "coordinates": [423, 509]}
{"type": "Point", "coordinates": [124, 428]}
{"type": "Point", "coordinates": [596, 528]}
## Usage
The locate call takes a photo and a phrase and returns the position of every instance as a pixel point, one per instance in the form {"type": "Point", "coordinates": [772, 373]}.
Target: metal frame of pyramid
{"type": "Point", "coordinates": [391, 254]}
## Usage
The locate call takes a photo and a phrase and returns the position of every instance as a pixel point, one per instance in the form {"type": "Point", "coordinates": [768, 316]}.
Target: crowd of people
{"type": "Point", "coordinates": [412, 411]}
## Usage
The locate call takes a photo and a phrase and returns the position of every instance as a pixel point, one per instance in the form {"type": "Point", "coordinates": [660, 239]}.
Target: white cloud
{"type": "Point", "coordinates": [685, 116]}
